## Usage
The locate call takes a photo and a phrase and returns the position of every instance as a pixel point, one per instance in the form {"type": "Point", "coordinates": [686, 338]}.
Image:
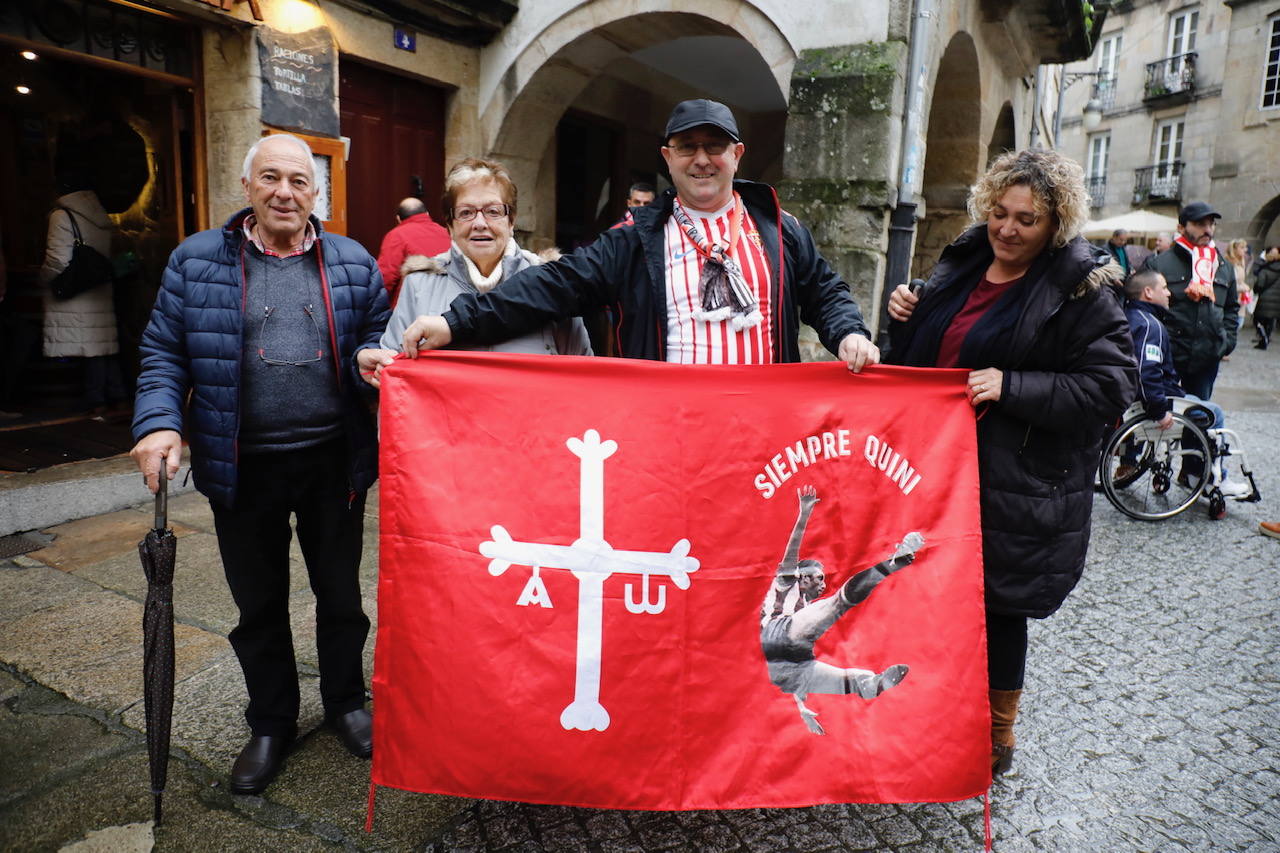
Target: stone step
{"type": "Point", "coordinates": [40, 499]}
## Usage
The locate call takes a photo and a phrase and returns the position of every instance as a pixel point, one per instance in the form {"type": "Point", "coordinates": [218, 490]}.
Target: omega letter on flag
{"type": "Point", "coordinates": [627, 584]}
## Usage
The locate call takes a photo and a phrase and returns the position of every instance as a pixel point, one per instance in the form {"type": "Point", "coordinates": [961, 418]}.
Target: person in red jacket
{"type": "Point", "coordinates": [415, 234]}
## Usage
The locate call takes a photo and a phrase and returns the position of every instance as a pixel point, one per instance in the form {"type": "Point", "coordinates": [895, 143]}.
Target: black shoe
{"type": "Point", "coordinates": [259, 762]}
{"type": "Point", "coordinates": [1260, 345]}
{"type": "Point", "coordinates": [355, 729]}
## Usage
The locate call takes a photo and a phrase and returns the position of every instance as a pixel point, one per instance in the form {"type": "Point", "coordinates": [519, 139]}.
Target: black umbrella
{"type": "Point", "coordinates": [158, 551]}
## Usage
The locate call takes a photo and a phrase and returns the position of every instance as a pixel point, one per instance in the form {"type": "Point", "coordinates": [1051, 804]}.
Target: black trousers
{"type": "Point", "coordinates": [1006, 651]}
{"type": "Point", "coordinates": [253, 538]}
{"type": "Point", "coordinates": [1199, 382]}
{"type": "Point", "coordinates": [1264, 326]}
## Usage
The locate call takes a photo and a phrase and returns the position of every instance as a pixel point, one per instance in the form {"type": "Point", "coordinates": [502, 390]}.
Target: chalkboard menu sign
{"type": "Point", "coordinates": [298, 74]}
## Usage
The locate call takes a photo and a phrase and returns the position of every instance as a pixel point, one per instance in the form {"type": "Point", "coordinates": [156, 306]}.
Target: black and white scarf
{"type": "Point", "coordinates": [723, 292]}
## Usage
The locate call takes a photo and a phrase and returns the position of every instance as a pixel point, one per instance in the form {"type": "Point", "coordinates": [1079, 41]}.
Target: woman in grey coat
{"type": "Point", "coordinates": [479, 211]}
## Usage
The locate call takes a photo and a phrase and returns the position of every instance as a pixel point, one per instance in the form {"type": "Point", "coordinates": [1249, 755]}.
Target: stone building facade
{"type": "Point", "coordinates": [571, 95]}
{"type": "Point", "coordinates": [1191, 111]}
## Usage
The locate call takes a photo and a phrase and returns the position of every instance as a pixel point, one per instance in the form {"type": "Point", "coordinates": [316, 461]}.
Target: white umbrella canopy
{"type": "Point", "coordinates": [1143, 222]}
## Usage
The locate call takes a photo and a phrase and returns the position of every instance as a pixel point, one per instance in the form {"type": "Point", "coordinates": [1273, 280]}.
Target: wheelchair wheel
{"type": "Point", "coordinates": [1149, 473]}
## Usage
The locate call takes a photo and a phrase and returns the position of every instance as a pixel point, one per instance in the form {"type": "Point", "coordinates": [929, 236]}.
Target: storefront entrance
{"type": "Point", "coordinates": [89, 103]}
{"type": "Point", "coordinates": [396, 128]}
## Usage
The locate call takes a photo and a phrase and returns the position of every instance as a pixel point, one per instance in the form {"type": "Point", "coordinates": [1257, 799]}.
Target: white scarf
{"type": "Point", "coordinates": [485, 283]}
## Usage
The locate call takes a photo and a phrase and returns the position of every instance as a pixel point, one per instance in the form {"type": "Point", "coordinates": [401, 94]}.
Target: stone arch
{"type": "Point", "coordinates": [1004, 135]}
{"type": "Point", "coordinates": [521, 104]}
{"type": "Point", "coordinates": [1264, 228]}
{"type": "Point", "coordinates": [954, 150]}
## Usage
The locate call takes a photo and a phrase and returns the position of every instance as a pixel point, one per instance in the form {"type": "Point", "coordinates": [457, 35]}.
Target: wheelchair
{"type": "Point", "coordinates": [1151, 474]}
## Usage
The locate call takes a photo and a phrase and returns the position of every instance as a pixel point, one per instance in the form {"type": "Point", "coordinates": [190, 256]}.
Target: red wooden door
{"type": "Point", "coordinates": [396, 127]}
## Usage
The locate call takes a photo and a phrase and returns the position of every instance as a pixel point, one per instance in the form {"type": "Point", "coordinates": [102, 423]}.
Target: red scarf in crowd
{"type": "Point", "coordinates": [1204, 266]}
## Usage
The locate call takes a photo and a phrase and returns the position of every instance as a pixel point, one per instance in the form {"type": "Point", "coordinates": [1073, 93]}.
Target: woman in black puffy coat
{"type": "Point", "coordinates": [1266, 289]}
{"type": "Point", "coordinates": [1033, 312]}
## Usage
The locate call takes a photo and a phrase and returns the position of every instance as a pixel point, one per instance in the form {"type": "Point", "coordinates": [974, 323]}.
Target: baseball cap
{"type": "Point", "coordinates": [1196, 211]}
{"type": "Point", "coordinates": [689, 114]}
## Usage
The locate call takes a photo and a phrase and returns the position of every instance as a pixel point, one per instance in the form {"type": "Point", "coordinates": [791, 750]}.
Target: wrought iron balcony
{"type": "Point", "coordinates": [1104, 91]}
{"type": "Point", "coordinates": [1171, 80]}
{"type": "Point", "coordinates": [1161, 182]}
{"type": "Point", "coordinates": [1097, 191]}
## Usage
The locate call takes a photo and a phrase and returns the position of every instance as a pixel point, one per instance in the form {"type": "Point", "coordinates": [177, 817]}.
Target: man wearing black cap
{"type": "Point", "coordinates": [1202, 299]}
{"type": "Point", "coordinates": [713, 272]}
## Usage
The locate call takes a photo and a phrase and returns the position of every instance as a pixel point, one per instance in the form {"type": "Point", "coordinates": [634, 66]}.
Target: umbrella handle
{"type": "Point", "coordinates": [162, 501]}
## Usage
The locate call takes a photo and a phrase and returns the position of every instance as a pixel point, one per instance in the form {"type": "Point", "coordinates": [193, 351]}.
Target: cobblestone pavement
{"type": "Point", "coordinates": [1151, 719]}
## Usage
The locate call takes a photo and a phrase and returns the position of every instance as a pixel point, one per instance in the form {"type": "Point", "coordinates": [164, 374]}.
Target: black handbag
{"type": "Point", "coordinates": [87, 269]}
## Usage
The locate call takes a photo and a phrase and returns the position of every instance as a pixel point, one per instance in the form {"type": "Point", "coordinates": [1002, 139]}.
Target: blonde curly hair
{"type": "Point", "coordinates": [1056, 184]}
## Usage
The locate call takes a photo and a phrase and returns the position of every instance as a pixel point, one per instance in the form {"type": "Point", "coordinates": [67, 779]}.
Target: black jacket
{"type": "Point", "coordinates": [624, 269]}
{"type": "Point", "coordinates": [1266, 287]}
{"type": "Point", "coordinates": [1201, 332]}
{"type": "Point", "coordinates": [1068, 373]}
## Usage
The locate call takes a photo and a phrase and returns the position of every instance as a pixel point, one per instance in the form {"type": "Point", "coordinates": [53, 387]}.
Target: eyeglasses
{"type": "Point", "coordinates": [713, 149]}
{"type": "Point", "coordinates": [492, 212]}
{"type": "Point", "coordinates": [267, 314]}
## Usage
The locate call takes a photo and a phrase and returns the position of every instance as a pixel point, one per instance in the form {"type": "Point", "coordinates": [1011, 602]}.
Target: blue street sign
{"type": "Point", "coordinates": [406, 40]}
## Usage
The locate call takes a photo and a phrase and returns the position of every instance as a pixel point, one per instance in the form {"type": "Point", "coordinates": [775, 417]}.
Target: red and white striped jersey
{"type": "Point", "coordinates": [691, 341]}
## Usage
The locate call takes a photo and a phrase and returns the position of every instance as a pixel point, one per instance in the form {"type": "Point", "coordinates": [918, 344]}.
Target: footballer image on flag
{"type": "Point", "coordinates": [623, 584]}
{"type": "Point", "coordinates": [794, 616]}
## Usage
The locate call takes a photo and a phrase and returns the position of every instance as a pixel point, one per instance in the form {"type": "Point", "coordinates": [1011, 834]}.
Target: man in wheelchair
{"type": "Point", "coordinates": [1146, 307]}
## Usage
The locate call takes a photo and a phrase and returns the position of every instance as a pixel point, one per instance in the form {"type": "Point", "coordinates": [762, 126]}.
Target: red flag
{"type": "Point", "coordinates": [627, 584]}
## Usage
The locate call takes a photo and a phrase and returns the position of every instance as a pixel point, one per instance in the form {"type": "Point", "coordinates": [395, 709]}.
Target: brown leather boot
{"type": "Point", "coordinates": [1004, 710]}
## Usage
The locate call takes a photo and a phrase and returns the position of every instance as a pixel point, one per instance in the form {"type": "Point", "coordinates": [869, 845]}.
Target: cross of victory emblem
{"type": "Point", "coordinates": [591, 560]}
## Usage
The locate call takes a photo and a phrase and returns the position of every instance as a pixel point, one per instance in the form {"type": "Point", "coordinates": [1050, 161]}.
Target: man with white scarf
{"type": "Point", "coordinates": [1203, 303]}
{"type": "Point", "coordinates": [713, 272]}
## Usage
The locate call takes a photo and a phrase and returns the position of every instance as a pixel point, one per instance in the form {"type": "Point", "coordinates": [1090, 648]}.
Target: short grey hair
{"type": "Point", "coordinates": [245, 170]}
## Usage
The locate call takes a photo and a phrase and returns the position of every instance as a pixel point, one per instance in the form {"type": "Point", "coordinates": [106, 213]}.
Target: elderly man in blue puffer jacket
{"type": "Point", "coordinates": [262, 333]}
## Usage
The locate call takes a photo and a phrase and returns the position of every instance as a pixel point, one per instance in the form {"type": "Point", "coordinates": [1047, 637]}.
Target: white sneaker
{"type": "Point", "coordinates": [1232, 489]}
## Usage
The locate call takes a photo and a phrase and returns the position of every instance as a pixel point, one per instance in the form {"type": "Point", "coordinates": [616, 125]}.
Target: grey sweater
{"type": "Point", "coordinates": [288, 385]}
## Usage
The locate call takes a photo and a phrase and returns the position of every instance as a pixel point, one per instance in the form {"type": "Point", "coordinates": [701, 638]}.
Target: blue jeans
{"type": "Point", "coordinates": [1219, 418]}
{"type": "Point", "coordinates": [1198, 383]}
{"type": "Point", "coordinates": [1192, 465]}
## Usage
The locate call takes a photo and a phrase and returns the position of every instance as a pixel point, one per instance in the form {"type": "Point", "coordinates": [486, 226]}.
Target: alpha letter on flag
{"type": "Point", "coordinates": [626, 584]}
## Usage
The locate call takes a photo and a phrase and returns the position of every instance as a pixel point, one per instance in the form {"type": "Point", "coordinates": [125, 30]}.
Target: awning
{"type": "Point", "coordinates": [1142, 222]}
